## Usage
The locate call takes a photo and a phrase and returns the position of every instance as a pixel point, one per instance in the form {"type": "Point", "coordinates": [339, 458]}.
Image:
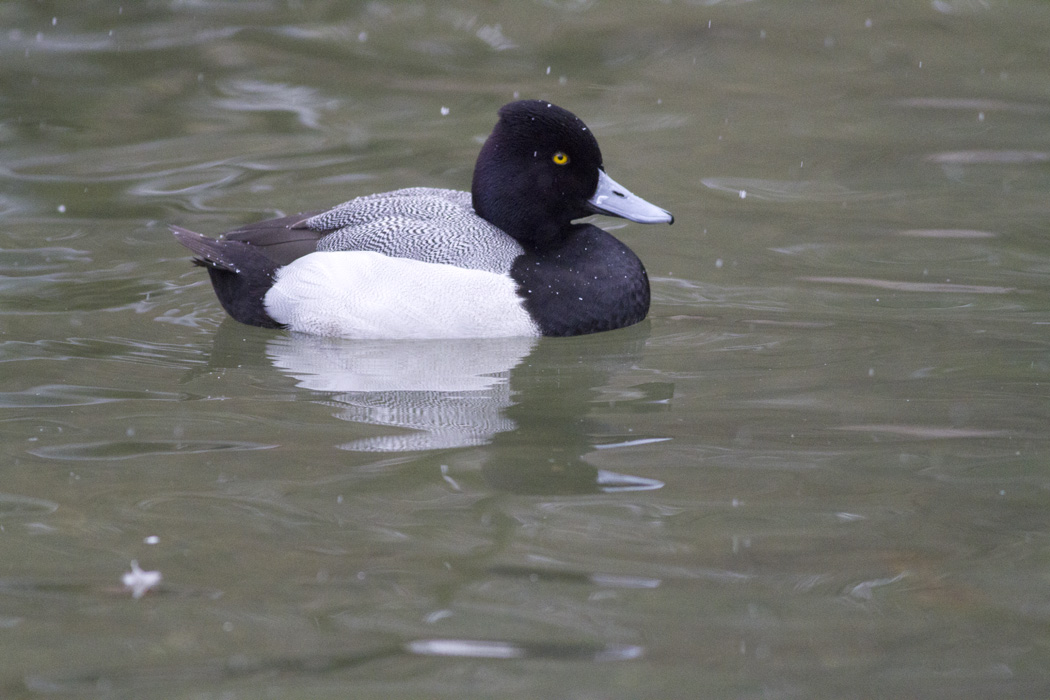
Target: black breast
{"type": "Point", "coordinates": [589, 283]}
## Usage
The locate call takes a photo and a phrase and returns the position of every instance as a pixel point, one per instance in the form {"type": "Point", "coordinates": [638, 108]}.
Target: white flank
{"type": "Point", "coordinates": [369, 295]}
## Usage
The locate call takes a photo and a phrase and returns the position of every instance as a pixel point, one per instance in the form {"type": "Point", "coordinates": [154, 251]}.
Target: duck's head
{"type": "Point", "coordinates": [540, 169]}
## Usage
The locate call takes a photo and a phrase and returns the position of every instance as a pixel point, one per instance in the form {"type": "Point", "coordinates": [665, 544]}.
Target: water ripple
{"type": "Point", "coordinates": [973, 104]}
{"type": "Point", "coordinates": [261, 96]}
{"type": "Point", "coordinates": [56, 395]}
{"type": "Point", "coordinates": [979, 157]}
{"type": "Point", "coordinates": [926, 432]}
{"type": "Point", "coordinates": [108, 450]}
{"type": "Point", "coordinates": [15, 261]}
{"type": "Point", "coordinates": [934, 287]}
{"type": "Point", "coordinates": [118, 349]}
{"type": "Point", "coordinates": [952, 233]}
{"type": "Point", "coordinates": [789, 190]}
{"type": "Point", "coordinates": [18, 506]}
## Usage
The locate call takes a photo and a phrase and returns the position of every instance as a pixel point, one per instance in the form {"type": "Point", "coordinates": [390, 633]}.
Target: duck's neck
{"type": "Point", "coordinates": [523, 224]}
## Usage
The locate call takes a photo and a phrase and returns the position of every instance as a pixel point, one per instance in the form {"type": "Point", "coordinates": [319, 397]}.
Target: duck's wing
{"type": "Point", "coordinates": [425, 224]}
{"type": "Point", "coordinates": [282, 240]}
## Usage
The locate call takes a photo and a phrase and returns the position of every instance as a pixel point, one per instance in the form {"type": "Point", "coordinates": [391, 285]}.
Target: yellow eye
{"type": "Point", "coordinates": [560, 158]}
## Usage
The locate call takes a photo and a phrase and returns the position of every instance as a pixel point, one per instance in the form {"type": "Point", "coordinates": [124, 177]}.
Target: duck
{"type": "Point", "coordinates": [509, 258]}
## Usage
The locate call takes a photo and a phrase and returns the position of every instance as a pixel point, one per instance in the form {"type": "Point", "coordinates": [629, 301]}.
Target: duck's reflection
{"type": "Point", "coordinates": [450, 393]}
{"type": "Point", "coordinates": [520, 409]}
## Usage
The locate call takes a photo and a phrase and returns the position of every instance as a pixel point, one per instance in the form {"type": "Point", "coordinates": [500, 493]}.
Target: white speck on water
{"type": "Point", "coordinates": [867, 23]}
{"type": "Point", "coordinates": [152, 539]}
{"type": "Point", "coordinates": [708, 24]}
{"type": "Point", "coordinates": [980, 116]}
{"type": "Point", "coordinates": [871, 371]}
{"type": "Point", "coordinates": [139, 581]}
{"type": "Point", "coordinates": [339, 499]}
{"type": "Point", "coordinates": [362, 36]}
{"type": "Point", "coordinates": [920, 64]}
{"type": "Point", "coordinates": [61, 208]}
{"type": "Point", "coordinates": [444, 111]}
{"type": "Point", "coordinates": [54, 21]}
{"type": "Point", "coordinates": [517, 95]}
{"type": "Point", "coordinates": [761, 33]}
{"type": "Point", "coordinates": [130, 432]}
{"type": "Point", "coordinates": [743, 194]}
{"type": "Point", "coordinates": [719, 263]}
{"type": "Point", "coordinates": [548, 71]}
{"type": "Point", "coordinates": [562, 80]}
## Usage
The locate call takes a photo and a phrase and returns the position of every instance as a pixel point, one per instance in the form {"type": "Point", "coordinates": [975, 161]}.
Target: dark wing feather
{"type": "Point", "coordinates": [282, 240]}
{"type": "Point", "coordinates": [240, 274]}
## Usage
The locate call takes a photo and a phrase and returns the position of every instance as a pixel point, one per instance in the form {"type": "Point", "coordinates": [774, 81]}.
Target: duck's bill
{"type": "Point", "coordinates": [614, 199]}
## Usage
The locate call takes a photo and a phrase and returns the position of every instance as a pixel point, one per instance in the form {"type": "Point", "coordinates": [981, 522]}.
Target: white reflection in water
{"type": "Point", "coordinates": [481, 649]}
{"type": "Point", "coordinates": [612, 482]}
{"type": "Point", "coordinates": [451, 392]}
{"type": "Point", "coordinates": [466, 647]}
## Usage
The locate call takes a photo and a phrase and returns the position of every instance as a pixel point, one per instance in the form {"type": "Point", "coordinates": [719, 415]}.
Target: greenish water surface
{"type": "Point", "coordinates": [821, 468]}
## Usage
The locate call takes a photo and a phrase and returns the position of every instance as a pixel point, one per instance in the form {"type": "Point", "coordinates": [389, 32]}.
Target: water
{"type": "Point", "coordinates": [820, 469]}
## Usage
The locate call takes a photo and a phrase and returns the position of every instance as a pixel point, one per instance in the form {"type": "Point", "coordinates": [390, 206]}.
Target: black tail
{"type": "Point", "coordinates": [240, 274]}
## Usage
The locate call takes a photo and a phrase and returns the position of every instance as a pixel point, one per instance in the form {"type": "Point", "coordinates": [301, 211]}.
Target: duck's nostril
{"type": "Point", "coordinates": [619, 194]}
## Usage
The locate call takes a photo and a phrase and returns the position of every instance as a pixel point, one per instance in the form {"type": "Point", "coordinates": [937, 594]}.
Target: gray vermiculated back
{"type": "Point", "coordinates": [421, 223]}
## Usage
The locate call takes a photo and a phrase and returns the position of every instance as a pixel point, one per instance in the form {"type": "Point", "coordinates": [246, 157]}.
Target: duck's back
{"type": "Point", "coordinates": [419, 223]}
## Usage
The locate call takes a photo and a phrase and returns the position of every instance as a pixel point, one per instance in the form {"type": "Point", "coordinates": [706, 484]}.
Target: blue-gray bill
{"type": "Point", "coordinates": [614, 199]}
